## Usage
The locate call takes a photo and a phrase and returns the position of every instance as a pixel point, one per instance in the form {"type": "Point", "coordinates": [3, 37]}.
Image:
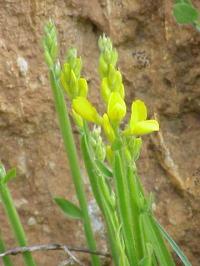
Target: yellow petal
{"type": "Point", "coordinates": [116, 108]}
{"type": "Point", "coordinates": [108, 130]}
{"type": "Point", "coordinates": [145, 127]}
{"type": "Point", "coordinates": [138, 112]}
{"type": "Point", "coordinates": [86, 110]}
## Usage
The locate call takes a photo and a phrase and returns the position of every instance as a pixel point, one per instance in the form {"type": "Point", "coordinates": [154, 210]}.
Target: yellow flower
{"type": "Point", "coordinates": [116, 108]}
{"type": "Point", "coordinates": [86, 110]}
{"type": "Point", "coordinates": [109, 132]}
{"type": "Point", "coordinates": [139, 125]}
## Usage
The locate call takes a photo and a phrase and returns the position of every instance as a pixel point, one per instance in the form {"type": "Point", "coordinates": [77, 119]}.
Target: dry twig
{"type": "Point", "coordinates": [47, 247]}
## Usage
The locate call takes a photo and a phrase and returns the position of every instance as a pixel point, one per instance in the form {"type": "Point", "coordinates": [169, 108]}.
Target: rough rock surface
{"type": "Point", "coordinates": [160, 62]}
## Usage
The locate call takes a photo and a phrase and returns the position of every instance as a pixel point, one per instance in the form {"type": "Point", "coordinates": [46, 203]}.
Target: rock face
{"type": "Point", "coordinates": [160, 62]}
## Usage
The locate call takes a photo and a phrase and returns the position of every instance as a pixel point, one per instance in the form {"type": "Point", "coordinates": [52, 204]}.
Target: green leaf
{"type": "Point", "coordinates": [154, 236]}
{"type": "Point", "coordinates": [185, 13]}
{"type": "Point", "coordinates": [69, 208]}
{"type": "Point", "coordinates": [104, 169]}
{"type": "Point", "coordinates": [173, 244]}
{"type": "Point", "coordinates": [9, 176]}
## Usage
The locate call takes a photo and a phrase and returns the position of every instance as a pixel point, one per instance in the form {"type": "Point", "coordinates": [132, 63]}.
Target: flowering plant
{"type": "Point", "coordinates": [110, 152]}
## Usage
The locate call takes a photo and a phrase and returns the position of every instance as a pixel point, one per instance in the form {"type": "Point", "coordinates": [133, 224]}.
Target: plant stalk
{"type": "Point", "coordinates": [15, 222]}
{"type": "Point", "coordinates": [6, 260]}
{"type": "Point", "coordinates": [69, 144]}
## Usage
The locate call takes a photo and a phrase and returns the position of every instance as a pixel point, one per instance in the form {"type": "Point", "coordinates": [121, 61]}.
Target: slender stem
{"type": "Point", "coordinates": [15, 222]}
{"type": "Point", "coordinates": [69, 144]}
{"type": "Point", "coordinates": [102, 201]}
{"type": "Point", "coordinates": [124, 211]}
{"type": "Point", "coordinates": [134, 192]}
{"type": "Point", "coordinates": [6, 260]}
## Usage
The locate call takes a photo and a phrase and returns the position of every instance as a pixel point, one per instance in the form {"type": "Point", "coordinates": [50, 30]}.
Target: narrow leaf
{"type": "Point", "coordinates": [185, 13]}
{"type": "Point", "coordinates": [69, 208]}
{"type": "Point", "coordinates": [104, 169]}
{"type": "Point", "coordinates": [154, 236]}
{"type": "Point", "coordinates": [173, 244]}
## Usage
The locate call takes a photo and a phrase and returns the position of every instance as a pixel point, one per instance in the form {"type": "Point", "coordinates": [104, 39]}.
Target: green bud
{"type": "Point", "coordinates": [105, 91]}
{"type": "Point", "coordinates": [97, 144]}
{"type": "Point", "coordinates": [134, 145]}
{"type": "Point", "coordinates": [104, 43]}
{"type": "Point", "coordinates": [73, 85]}
{"type": "Point", "coordinates": [67, 71]}
{"type": "Point", "coordinates": [54, 51]}
{"type": "Point", "coordinates": [50, 43]}
{"type": "Point", "coordinates": [78, 67]}
{"type": "Point", "coordinates": [57, 69]}
{"type": "Point", "coordinates": [82, 87]}
{"type": "Point", "coordinates": [118, 77]}
{"type": "Point", "coordinates": [121, 90]}
{"type": "Point", "coordinates": [107, 56]}
{"type": "Point", "coordinates": [103, 67]}
{"type": "Point", "coordinates": [114, 57]}
{"type": "Point", "coordinates": [111, 76]}
{"type": "Point", "coordinates": [48, 59]}
{"type": "Point", "coordinates": [71, 57]}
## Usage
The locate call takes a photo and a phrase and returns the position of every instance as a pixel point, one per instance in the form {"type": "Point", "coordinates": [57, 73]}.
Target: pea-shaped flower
{"type": "Point", "coordinates": [116, 108]}
{"type": "Point", "coordinates": [86, 110]}
{"type": "Point", "coordinates": [139, 125]}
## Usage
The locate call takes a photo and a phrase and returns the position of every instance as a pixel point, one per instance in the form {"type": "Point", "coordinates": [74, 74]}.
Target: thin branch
{"type": "Point", "coordinates": [47, 247]}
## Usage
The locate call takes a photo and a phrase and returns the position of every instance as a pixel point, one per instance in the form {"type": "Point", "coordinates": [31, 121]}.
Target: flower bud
{"type": "Point", "coordinates": [82, 87]}
{"type": "Point", "coordinates": [105, 91]}
{"type": "Point", "coordinates": [97, 144]}
{"type": "Point", "coordinates": [73, 85]}
{"type": "Point", "coordinates": [116, 108]}
{"type": "Point", "coordinates": [103, 67]}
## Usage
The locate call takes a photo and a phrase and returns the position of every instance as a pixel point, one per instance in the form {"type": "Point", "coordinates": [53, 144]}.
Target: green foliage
{"type": "Point", "coordinates": [69, 208]}
{"type": "Point", "coordinates": [11, 174]}
{"type": "Point", "coordinates": [12, 214]}
{"type": "Point", "coordinates": [173, 244]}
{"type": "Point", "coordinates": [185, 13]}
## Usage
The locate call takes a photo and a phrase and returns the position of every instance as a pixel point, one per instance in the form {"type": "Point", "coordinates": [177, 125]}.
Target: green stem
{"type": "Point", "coordinates": [98, 188]}
{"type": "Point", "coordinates": [134, 192]}
{"type": "Point", "coordinates": [68, 139]}
{"type": "Point", "coordinates": [124, 211]}
{"type": "Point", "coordinates": [15, 222]}
{"type": "Point", "coordinates": [6, 260]}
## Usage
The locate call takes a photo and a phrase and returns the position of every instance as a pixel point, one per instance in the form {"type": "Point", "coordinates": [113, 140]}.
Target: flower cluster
{"type": "Point", "coordinates": [112, 92]}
